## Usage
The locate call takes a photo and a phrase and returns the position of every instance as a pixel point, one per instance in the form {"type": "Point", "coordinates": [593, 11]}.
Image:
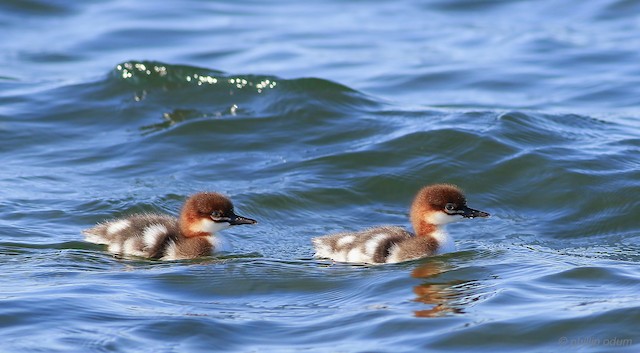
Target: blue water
{"type": "Point", "coordinates": [317, 117]}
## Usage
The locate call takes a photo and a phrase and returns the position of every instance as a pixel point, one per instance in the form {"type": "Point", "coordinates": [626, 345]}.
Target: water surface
{"type": "Point", "coordinates": [315, 118]}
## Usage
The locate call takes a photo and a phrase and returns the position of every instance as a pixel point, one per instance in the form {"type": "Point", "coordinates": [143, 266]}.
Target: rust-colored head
{"type": "Point", "coordinates": [205, 213]}
{"type": "Point", "coordinates": [440, 204]}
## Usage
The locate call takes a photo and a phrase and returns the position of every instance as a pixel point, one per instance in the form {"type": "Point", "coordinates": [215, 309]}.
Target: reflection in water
{"type": "Point", "coordinates": [442, 297]}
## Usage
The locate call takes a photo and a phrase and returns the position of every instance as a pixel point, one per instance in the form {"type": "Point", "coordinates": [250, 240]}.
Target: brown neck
{"type": "Point", "coordinates": [420, 225]}
{"type": "Point", "coordinates": [424, 229]}
{"type": "Point", "coordinates": [419, 208]}
{"type": "Point", "coordinates": [184, 229]}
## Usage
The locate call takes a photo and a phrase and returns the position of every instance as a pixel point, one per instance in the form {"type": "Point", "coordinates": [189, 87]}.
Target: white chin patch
{"type": "Point", "coordinates": [441, 218]}
{"type": "Point", "coordinates": [209, 226]}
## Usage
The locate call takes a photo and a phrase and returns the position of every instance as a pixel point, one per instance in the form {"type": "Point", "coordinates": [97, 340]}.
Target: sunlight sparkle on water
{"type": "Point", "coordinates": [130, 69]}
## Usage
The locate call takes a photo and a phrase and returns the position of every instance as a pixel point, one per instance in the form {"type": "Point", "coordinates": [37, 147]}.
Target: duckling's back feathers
{"type": "Point", "coordinates": [373, 245]}
{"type": "Point", "coordinates": [144, 234]}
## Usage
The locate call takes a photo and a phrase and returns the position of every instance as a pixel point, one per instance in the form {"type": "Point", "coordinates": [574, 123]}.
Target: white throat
{"type": "Point", "coordinates": [441, 218]}
{"type": "Point", "coordinates": [209, 226]}
{"type": "Point", "coordinates": [445, 241]}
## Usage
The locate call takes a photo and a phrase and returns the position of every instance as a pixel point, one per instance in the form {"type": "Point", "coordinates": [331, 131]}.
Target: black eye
{"type": "Point", "coordinates": [450, 207]}
{"type": "Point", "coordinates": [216, 214]}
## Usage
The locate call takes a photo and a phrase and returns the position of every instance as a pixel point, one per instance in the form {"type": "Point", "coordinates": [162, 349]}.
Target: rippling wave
{"type": "Point", "coordinates": [530, 107]}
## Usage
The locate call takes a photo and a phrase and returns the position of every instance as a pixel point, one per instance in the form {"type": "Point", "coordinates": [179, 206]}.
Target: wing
{"type": "Point", "coordinates": [368, 246]}
{"type": "Point", "coordinates": [145, 235]}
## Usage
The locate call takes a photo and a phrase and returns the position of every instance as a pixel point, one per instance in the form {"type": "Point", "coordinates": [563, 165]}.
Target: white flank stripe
{"type": "Point", "coordinates": [115, 248]}
{"type": "Point", "coordinates": [95, 238]}
{"type": "Point", "coordinates": [340, 256]}
{"type": "Point", "coordinates": [356, 255]}
{"type": "Point", "coordinates": [152, 234]}
{"type": "Point", "coordinates": [130, 247]}
{"type": "Point", "coordinates": [345, 240]}
{"type": "Point", "coordinates": [393, 255]}
{"type": "Point", "coordinates": [116, 226]}
{"type": "Point", "coordinates": [372, 244]}
{"type": "Point", "coordinates": [171, 253]}
{"type": "Point", "coordinates": [324, 250]}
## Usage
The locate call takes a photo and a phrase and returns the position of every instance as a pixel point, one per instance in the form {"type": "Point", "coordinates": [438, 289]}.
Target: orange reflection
{"type": "Point", "coordinates": [439, 296]}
